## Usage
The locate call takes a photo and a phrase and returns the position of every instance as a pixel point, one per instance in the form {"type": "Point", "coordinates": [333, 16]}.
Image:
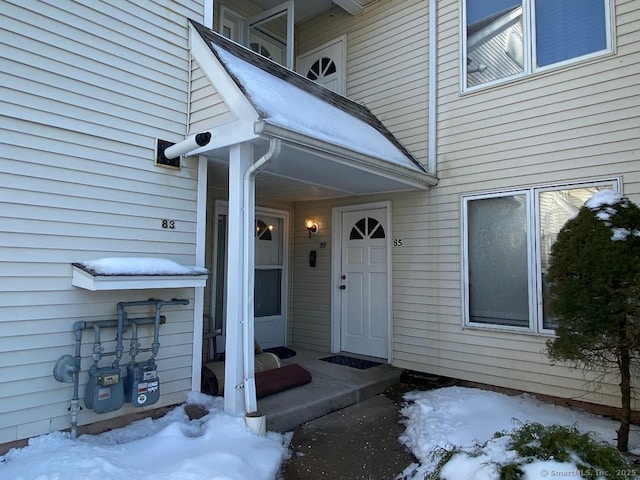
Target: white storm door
{"type": "Point", "coordinates": [326, 65]}
{"type": "Point", "coordinates": [270, 281]}
{"type": "Point", "coordinates": [267, 46]}
{"type": "Point", "coordinates": [270, 33]}
{"type": "Point", "coordinates": [364, 283]}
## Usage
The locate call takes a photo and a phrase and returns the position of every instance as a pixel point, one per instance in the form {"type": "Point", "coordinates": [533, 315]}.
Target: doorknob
{"type": "Point", "coordinates": [343, 287]}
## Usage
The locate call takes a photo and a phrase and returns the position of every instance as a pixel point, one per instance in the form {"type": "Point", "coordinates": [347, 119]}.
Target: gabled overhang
{"type": "Point", "coordinates": [346, 170]}
{"type": "Point", "coordinates": [327, 139]}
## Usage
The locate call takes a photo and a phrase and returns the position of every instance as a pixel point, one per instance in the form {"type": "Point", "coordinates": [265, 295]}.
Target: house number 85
{"type": "Point", "coordinates": [169, 224]}
{"type": "Point", "coordinates": [397, 242]}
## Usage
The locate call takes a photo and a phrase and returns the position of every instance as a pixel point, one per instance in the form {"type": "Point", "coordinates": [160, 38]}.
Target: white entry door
{"type": "Point", "coordinates": [364, 283]}
{"type": "Point", "coordinates": [325, 65]}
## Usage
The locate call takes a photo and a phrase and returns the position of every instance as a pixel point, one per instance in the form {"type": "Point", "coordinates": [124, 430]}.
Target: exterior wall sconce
{"type": "Point", "coordinates": [312, 226]}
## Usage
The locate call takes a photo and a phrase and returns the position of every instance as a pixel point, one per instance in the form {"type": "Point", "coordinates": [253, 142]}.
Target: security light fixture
{"type": "Point", "coordinates": [168, 153]}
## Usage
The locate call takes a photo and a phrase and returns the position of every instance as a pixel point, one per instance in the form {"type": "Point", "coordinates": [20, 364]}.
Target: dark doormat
{"type": "Point", "coordinates": [281, 352]}
{"type": "Point", "coordinates": [352, 362]}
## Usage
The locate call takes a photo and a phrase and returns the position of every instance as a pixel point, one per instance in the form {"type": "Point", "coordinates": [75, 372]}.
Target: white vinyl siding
{"type": "Point", "coordinates": [86, 89]}
{"type": "Point", "coordinates": [564, 125]}
{"type": "Point", "coordinates": [310, 288]}
{"type": "Point", "coordinates": [208, 108]}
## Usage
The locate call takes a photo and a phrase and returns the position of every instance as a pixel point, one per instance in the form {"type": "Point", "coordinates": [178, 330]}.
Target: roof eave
{"type": "Point", "coordinates": [413, 178]}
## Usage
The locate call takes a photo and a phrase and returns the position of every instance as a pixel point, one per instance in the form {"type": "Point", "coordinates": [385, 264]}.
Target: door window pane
{"type": "Point", "coordinates": [498, 261]}
{"type": "Point", "coordinates": [268, 250]}
{"type": "Point", "coordinates": [269, 265]}
{"type": "Point", "coordinates": [268, 292]}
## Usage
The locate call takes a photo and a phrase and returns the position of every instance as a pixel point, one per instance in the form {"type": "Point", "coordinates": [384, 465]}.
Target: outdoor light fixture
{"type": "Point", "coordinates": [312, 226]}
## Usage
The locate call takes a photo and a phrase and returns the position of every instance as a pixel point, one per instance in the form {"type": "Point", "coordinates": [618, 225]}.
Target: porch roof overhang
{"type": "Point", "coordinates": [326, 139]}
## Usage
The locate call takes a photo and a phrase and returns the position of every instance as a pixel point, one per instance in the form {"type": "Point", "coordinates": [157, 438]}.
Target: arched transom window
{"type": "Point", "coordinates": [367, 227]}
{"type": "Point", "coordinates": [321, 68]}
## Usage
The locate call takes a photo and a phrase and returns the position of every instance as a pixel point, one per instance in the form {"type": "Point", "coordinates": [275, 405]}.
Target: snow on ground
{"type": "Point", "coordinates": [217, 446]}
{"type": "Point", "coordinates": [220, 447]}
{"type": "Point", "coordinates": [463, 417]}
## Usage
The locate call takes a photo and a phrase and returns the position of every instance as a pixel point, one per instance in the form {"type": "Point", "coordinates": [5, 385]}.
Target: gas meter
{"type": "Point", "coordinates": [142, 386]}
{"type": "Point", "coordinates": [105, 389]}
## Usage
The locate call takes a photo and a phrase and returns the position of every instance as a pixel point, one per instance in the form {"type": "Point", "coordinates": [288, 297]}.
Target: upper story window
{"type": "Point", "coordinates": [509, 38]}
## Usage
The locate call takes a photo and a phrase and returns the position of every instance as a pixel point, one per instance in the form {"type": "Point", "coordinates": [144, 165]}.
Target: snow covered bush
{"type": "Point", "coordinates": [536, 450]}
{"type": "Point", "coordinates": [594, 293]}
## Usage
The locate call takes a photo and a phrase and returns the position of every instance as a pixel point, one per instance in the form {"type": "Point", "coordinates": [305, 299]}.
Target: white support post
{"type": "Point", "coordinates": [240, 158]}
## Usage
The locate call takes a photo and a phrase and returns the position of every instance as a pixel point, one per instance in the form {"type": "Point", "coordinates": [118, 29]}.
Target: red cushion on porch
{"type": "Point", "coordinates": [279, 379]}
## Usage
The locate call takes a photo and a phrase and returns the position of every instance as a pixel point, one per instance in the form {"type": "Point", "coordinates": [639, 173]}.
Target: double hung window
{"type": "Point", "coordinates": [507, 38]}
{"type": "Point", "coordinates": [507, 239]}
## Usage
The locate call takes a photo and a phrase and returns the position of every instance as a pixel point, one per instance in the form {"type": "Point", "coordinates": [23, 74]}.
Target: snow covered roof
{"type": "Point", "coordinates": [288, 100]}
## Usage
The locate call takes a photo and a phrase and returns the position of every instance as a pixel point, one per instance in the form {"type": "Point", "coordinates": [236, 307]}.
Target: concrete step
{"type": "Point", "coordinates": [332, 387]}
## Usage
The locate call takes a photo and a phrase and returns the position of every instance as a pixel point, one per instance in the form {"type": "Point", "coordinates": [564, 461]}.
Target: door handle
{"type": "Point", "coordinates": [343, 287]}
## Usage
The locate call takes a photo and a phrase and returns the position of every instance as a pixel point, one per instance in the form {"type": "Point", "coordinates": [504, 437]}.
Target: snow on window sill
{"type": "Point", "coordinates": [136, 273]}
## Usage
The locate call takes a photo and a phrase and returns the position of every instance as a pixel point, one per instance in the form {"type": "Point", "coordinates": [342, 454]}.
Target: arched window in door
{"type": "Point", "coordinates": [321, 68]}
{"type": "Point", "coordinates": [367, 227]}
{"type": "Point", "coordinates": [263, 231]}
{"type": "Point", "coordinates": [258, 48]}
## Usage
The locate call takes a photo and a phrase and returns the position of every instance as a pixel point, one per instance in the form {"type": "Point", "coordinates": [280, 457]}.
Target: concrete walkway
{"type": "Point", "coordinates": [359, 442]}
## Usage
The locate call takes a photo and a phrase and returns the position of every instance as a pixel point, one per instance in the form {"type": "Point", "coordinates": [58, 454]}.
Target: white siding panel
{"type": "Point", "coordinates": [208, 108]}
{"type": "Point", "coordinates": [87, 88]}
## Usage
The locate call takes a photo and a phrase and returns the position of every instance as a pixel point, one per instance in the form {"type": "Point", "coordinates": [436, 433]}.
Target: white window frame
{"type": "Point", "coordinates": [528, 26]}
{"type": "Point", "coordinates": [232, 20]}
{"type": "Point", "coordinates": [241, 29]}
{"type": "Point", "coordinates": [534, 264]}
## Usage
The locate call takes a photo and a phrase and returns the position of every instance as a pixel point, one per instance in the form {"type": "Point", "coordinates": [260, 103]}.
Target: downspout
{"type": "Point", "coordinates": [433, 94]}
{"type": "Point", "coordinates": [251, 403]}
